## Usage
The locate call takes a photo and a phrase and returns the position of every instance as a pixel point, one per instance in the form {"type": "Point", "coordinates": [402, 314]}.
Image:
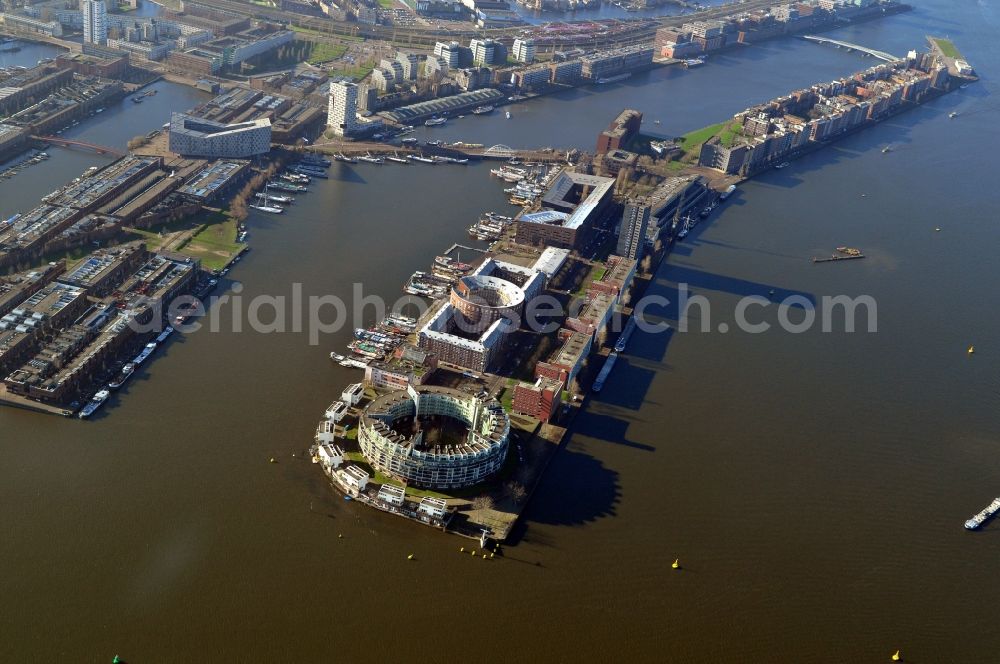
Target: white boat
{"type": "Point", "coordinates": [728, 192]}
{"type": "Point", "coordinates": [122, 376]}
{"type": "Point", "coordinates": [96, 402]}
{"type": "Point", "coordinates": [783, 164]}
{"type": "Point", "coordinates": [337, 357]}
{"type": "Point", "coordinates": [371, 160]}
{"type": "Point", "coordinates": [507, 113]}
{"type": "Point", "coordinates": [422, 159]}
{"type": "Point", "coordinates": [397, 159]}
{"type": "Point", "coordinates": [268, 208]}
{"type": "Point", "coordinates": [435, 122]}
{"type": "Point", "coordinates": [278, 198]}
{"type": "Point", "coordinates": [694, 62]}
{"type": "Point", "coordinates": [613, 79]}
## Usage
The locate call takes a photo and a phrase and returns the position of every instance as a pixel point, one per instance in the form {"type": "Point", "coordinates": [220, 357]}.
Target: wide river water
{"type": "Point", "coordinates": [813, 485]}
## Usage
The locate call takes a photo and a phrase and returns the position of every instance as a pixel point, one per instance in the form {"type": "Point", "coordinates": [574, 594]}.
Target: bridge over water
{"type": "Point", "coordinates": [70, 143]}
{"type": "Point", "coordinates": [881, 55]}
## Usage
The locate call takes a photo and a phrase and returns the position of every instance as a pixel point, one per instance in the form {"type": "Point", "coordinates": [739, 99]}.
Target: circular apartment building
{"type": "Point", "coordinates": [483, 300]}
{"type": "Point", "coordinates": [435, 437]}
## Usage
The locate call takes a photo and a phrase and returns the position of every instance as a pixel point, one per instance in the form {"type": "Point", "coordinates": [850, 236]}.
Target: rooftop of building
{"type": "Point", "coordinates": [200, 127]}
{"type": "Point", "coordinates": [212, 177]}
{"type": "Point", "coordinates": [551, 260]}
{"type": "Point", "coordinates": [581, 191]}
{"type": "Point", "coordinates": [573, 347]}
{"type": "Point", "coordinates": [597, 305]}
{"type": "Point", "coordinates": [444, 104]}
{"type": "Point", "coordinates": [440, 327]}
{"type": "Point", "coordinates": [100, 263]}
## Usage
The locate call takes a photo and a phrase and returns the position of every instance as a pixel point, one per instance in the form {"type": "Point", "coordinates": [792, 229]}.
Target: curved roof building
{"type": "Point", "coordinates": [435, 437]}
{"type": "Point", "coordinates": [482, 300]}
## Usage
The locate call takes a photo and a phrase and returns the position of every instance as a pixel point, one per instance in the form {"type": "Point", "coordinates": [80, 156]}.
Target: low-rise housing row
{"type": "Point", "coordinates": [767, 133]}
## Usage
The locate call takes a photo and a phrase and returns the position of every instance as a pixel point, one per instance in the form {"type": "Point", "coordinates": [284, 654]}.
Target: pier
{"type": "Point", "coordinates": [458, 246]}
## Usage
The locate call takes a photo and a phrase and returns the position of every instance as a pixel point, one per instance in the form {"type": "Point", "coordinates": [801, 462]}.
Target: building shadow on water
{"type": "Point", "coordinates": [627, 385]}
{"type": "Point", "coordinates": [575, 489]}
{"type": "Point", "coordinates": [342, 172]}
{"type": "Point", "coordinates": [650, 345]}
{"type": "Point", "coordinates": [700, 280]}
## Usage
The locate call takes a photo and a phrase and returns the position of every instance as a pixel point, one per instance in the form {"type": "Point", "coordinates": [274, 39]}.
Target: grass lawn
{"type": "Point", "coordinates": [691, 142]}
{"type": "Point", "coordinates": [325, 52]}
{"type": "Point", "coordinates": [947, 47]}
{"type": "Point", "coordinates": [507, 399]}
{"type": "Point", "coordinates": [356, 72]}
{"type": "Point", "coordinates": [597, 271]}
{"type": "Point", "coordinates": [215, 244]}
{"type": "Point", "coordinates": [387, 4]}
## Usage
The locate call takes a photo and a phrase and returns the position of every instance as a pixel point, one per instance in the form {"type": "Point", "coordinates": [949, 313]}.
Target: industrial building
{"type": "Point", "coordinates": [453, 104]}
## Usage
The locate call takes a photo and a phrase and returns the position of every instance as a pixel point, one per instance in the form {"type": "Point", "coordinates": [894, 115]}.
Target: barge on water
{"type": "Point", "coordinates": [625, 335]}
{"type": "Point", "coordinates": [609, 364]}
{"type": "Point", "coordinates": [975, 522]}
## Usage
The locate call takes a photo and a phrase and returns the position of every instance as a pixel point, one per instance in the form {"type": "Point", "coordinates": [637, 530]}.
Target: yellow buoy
{"type": "Point", "coordinates": [462, 550]}
{"type": "Point", "coordinates": [676, 564]}
{"type": "Point", "coordinates": [972, 349]}
{"type": "Point", "coordinates": [340, 535]}
{"type": "Point", "coordinates": [473, 552]}
{"type": "Point", "coordinates": [410, 557]}
{"type": "Point", "coordinates": [272, 460]}
{"type": "Point", "coordinates": [896, 657]}
{"type": "Point", "coordinates": [484, 556]}
{"type": "Point", "coordinates": [491, 555]}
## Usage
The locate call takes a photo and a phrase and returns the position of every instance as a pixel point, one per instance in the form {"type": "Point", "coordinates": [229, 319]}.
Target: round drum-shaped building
{"type": "Point", "coordinates": [483, 300]}
{"type": "Point", "coordinates": [435, 437]}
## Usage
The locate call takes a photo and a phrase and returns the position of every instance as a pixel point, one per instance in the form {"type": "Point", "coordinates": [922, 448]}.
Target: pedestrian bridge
{"type": "Point", "coordinates": [881, 55]}
{"type": "Point", "coordinates": [500, 151]}
{"type": "Point", "coordinates": [69, 143]}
